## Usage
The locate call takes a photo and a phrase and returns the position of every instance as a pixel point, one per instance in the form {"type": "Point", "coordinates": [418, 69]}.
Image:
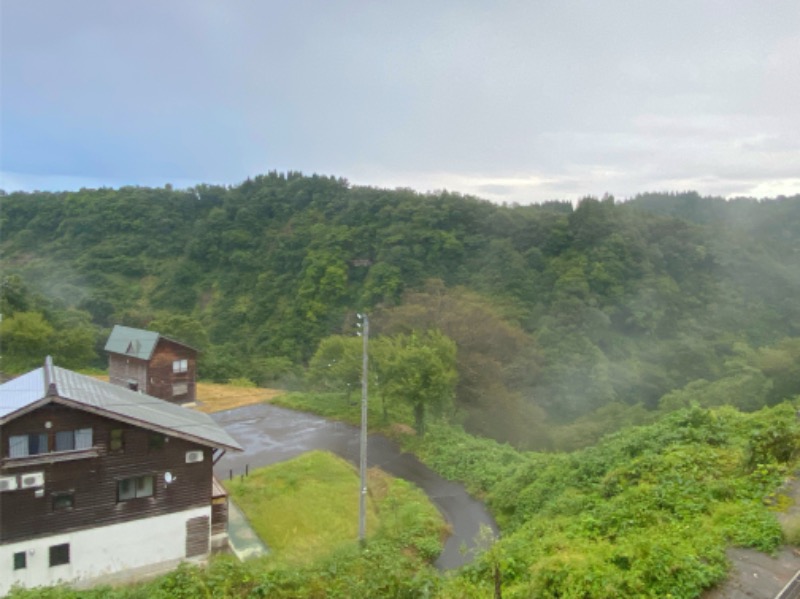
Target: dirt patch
{"type": "Point", "coordinates": [212, 397]}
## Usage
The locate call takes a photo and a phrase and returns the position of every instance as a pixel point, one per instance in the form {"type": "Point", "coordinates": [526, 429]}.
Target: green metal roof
{"type": "Point", "coordinates": [136, 343]}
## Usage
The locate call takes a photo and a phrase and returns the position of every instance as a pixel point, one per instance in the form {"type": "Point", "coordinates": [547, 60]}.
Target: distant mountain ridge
{"type": "Point", "coordinates": [621, 303]}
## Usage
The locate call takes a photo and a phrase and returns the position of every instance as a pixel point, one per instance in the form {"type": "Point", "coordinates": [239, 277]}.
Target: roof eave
{"type": "Point", "coordinates": [25, 409]}
{"type": "Point", "coordinates": [144, 424]}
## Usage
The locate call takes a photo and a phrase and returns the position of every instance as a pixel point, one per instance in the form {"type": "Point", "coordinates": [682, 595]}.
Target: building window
{"type": "Point", "coordinates": [20, 560]}
{"type": "Point", "coordinates": [134, 488]}
{"type": "Point", "coordinates": [179, 389]}
{"type": "Point", "coordinates": [63, 501]}
{"type": "Point", "coordinates": [180, 366]}
{"type": "Point", "coordinates": [116, 441]}
{"type": "Point", "coordinates": [59, 554]}
{"type": "Point", "coordinates": [155, 441]}
{"type": "Point", "coordinates": [22, 446]}
{"type": "Point", "coordinates": [77, 439]}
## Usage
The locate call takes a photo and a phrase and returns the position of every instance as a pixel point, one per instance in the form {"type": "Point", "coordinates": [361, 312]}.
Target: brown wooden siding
{"type": "Point", "coordinates": [161, 378]}
{"type": "Point", "coordinates": [93, 480]}
{"type": "Point", "coordinates": [219, 509]}
{"type": "Point", "coordinates": [122, 369]}
{"type": "Point", "coordinates": [197, 536]}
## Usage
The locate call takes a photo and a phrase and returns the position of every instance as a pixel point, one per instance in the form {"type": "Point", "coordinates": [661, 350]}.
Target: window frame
{"type": "Point", "coordinates": [59, 555]}
{"type": "Point", "coordinates": [60, 496]}
{"type": "Point", "coordinates": [78, 439]}
{"type": "Point", "coordinates": [29, 445]}
{"type": "Point", "coordinates": [20, 564]}
{"type": "Point", "coordinates": [15, 444]}
{"type": "Point", "coordinates": [180, 366]}
{"type": "Point", "coordinates": [136, 482]}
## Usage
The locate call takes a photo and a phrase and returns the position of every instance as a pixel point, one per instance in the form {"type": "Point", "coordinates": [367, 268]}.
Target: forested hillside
{"type": "Point", "coordinates": [568, 321]}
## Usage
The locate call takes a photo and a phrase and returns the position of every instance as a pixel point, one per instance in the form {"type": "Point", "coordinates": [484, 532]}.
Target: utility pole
{"type": "Point", "coordinates": [362, 512]}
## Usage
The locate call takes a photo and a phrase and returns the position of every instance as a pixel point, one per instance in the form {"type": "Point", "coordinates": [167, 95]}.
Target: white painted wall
{"type": "Point", "coordinates": [100, 551]}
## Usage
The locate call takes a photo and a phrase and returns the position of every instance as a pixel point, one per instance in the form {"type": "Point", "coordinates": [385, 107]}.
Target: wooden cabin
{"type": "Point", "coordinates": [153, 364]}
{"type": "Point", "coordinates": [98, 480]}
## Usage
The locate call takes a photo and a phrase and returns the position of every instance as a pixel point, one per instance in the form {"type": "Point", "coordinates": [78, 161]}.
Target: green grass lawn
{"type": "Point", "coordinates": [307, 507]}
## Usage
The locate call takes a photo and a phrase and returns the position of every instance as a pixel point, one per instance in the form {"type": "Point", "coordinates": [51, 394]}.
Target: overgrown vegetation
{"type": "Point", "coordinates": [648, 512]}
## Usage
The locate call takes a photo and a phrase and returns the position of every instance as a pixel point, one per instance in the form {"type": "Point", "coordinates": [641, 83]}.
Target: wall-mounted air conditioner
{"type": "Point", "coordinates": [34, 479]}
{"type": "Point", "coordinates": [8, 483]}
{"type": "Point", "coordinates": [194, 456]}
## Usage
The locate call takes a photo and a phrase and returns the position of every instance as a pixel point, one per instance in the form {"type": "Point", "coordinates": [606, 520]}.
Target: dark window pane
{"type": "Point", "coordinates": [63, 501]}
{"type": "Point", "coordinates": [126, 489]}
{"type": "Point", "coordinates": [156, 441]}
{"type": "Point", "coordinates": [37, 443]}
{"type": "Point", "coordinates": [65, 440]}
{"type": "Point", "coordinates": [20, 560]}
{"type": "Point", "coordinates": [59, 554]}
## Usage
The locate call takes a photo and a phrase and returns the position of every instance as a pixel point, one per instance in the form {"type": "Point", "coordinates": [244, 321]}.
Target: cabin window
{"type": "Point", "coordinates": [20, 560]}
{"type": "Point", "coordinates": [78, 439]}
{"type": "Point", "coordinates": [134, 488]}
{"type": "Point", "coordinates": [22, 446]}
{"type": "Point", "coordinates": [179, 389]}
{"type": "Point", "coordinates": [180, 366]}
{"type": "Point", "coordinates": [59, 554]}
{"type": "Point", "coordinates": [63, 501]}
{"type": "Point", "coordinates": [117, 440]}
{"type": "Point", "coordinates": [155, 441]}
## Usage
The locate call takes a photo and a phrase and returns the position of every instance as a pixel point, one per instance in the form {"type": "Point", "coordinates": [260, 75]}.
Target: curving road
{"type": "Point", "coordinates": [271, 434]}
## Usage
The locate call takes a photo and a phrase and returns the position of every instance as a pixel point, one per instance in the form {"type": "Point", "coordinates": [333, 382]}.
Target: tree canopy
{"type": "Point", "coordinates": [557, 310]}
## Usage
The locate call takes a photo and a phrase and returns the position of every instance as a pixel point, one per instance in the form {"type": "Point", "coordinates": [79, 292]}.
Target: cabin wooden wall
{"type": "Point", "coordinates": [122, 369]}
{"type": "Point", "coordinates": [161, 376]}
{"type": "Point", "coordinates": [93, 480]}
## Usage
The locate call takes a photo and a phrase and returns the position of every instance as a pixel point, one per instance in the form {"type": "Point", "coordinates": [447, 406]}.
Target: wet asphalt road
{"type": "Point", "coordinates": [271, 434]}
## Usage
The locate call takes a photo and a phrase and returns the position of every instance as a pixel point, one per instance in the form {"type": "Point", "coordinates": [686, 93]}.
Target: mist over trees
{"type": "Point", "coordinates": [567, 321]}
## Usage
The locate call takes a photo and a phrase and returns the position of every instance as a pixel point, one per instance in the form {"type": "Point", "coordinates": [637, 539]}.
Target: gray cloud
{"type": "Point", "coordinates": [516, 101]}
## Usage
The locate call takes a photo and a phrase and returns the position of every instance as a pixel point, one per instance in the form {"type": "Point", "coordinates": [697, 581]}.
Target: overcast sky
{"type": "Point", "coordinates": [511, 101]}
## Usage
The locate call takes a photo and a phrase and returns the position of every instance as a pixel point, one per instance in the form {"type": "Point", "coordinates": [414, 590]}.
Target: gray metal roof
{"type": "Point", "coordinates": [20, 392]}
{"type": "Point", "coordinates": [137, 343]}
{"type": "Point", "coordinates": [87, 393]}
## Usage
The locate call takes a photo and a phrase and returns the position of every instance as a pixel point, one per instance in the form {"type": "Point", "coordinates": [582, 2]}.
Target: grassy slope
{"type": "Point", "coordinates": [305, 507]}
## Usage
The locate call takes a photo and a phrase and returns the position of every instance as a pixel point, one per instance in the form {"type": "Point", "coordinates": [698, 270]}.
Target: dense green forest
{"type": "Point", "coordinates": [568, 321]}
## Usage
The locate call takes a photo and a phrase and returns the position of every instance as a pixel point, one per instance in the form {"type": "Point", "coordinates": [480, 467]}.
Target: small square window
{"type": "Point", "coordinates": [155, 441]}
{"type": "Point", "coordinates": [116, 441]}
{"type": "Point", "coordinates": [20, 560]}
{"type": "Point", "coordinates": [59, 555]}
{"type": "Point", "coordinates": [180, 366]}
{"type": "Point", "coordinates": [63, 501]}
